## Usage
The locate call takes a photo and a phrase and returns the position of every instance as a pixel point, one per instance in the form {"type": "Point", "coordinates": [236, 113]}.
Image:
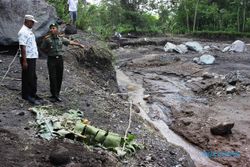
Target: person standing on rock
{"type": "Point", "coordinates": [29, 54]}
{"type": "Point", "coordinates": [73, 10]}
{"type": "Point", "coordinates": [53, 46]}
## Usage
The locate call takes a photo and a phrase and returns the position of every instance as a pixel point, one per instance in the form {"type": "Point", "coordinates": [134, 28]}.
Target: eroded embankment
{"type": "Point", "coordinates": [90, 88]}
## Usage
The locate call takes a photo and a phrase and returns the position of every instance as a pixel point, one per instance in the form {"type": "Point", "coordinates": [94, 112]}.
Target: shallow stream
{"type": "Point", "coordinates": [172, 92]}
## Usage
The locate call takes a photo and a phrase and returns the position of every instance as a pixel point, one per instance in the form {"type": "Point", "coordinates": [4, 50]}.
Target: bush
{"type": "Point", "coordinates": [220, 35]}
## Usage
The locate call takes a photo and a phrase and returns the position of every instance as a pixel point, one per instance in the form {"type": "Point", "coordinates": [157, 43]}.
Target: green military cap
{"type": "Point", "coordinates": [53, 25]}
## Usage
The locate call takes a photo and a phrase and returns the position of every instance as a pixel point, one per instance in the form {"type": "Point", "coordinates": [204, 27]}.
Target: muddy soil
{"type": "Point", "coordinates": [192, 98]}
{"type": "Point", "coordinates": [86, 89]}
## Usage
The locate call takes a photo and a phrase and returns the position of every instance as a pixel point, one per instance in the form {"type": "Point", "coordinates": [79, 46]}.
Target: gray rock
{"type": "Point", "coordinates": [170, 47]}
{"type": "Point", "coordinates": [222, 128]}
{"type": "Point", "coordinates": [207, 75]}
{"type": "Point", "coordinates": [231, 89]}
{"type": "Point", "coordinates": [60, 156]}
{"type": "Point", "coordinates": [207, 59]}
{"type": "Point", "coordinates": [204, 59]}
{"type": "Point", "coordinates": [236, 46]}
{"type": "Point", "coordinates": [12, 18]}
{"type": "Point", "coordinates": [195, 46]}
{"type": "Point", "coordinates": [207, 47]}
{"type": "Point", "coordinates": [1, 61]}
{"type": "Point", "coordinates": [227, 48]}
{"type": "Point", "coordinates": [70, 29]}
{"type": "Point", "coordinates": [181, 49]}
{"type": "Point", "coordinates": [235, 76]}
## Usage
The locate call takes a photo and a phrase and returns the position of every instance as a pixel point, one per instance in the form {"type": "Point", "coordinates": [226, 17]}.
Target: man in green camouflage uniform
{"type": "Point", "coordinates": [53, 46]}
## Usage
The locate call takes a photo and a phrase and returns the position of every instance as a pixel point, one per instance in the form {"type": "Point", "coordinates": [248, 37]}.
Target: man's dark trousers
{"type": "Point", "coordinates": [55, 66]}
{"type": "Point", "coordinates": [29, 79]}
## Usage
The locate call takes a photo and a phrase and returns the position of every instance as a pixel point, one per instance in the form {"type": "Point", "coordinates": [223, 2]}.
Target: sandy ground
{"type": "Point", "coordinates": [192, 98]}
{"type": "Point", "coordinates": [89, 90]}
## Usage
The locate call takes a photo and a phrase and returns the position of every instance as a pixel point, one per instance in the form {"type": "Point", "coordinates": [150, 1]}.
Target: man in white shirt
{"type": "Point", "coordinates": [29, 54]}
{"type": "Point", "coordinates": [73, 10]}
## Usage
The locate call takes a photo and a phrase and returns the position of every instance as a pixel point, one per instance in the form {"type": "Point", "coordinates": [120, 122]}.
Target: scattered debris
{"type": "Point", "coordinates": [71, 125]}
{"type": "Point", "coordinates": [204, 59]}
{"type": "Point", "coordinates": [222, 128]}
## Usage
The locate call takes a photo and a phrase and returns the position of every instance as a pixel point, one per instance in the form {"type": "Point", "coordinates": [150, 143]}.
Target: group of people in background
{"type": "Point", "coordinates": [52, 46]}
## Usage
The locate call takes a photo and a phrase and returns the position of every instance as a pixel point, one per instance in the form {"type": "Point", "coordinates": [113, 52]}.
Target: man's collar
{"type": "Point", "coordinates": [30, 29]}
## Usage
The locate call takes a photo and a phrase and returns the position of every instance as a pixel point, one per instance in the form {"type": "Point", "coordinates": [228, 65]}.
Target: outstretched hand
{"type": "Point", "coordinates": [82, 46]}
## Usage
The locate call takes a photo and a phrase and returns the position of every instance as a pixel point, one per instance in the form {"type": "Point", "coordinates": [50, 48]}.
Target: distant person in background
{"type": "Point", "coordinates": [73, 10]}
{"type": "Point", "coordinates": [29, 54]}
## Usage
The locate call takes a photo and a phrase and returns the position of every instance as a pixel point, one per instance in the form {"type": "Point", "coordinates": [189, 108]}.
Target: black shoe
{"type": "Point", "coordinates": [52, 99]}
{"type": "Point", "coordinates": [58, 99]}
{"type": "Point", "coordinates": [38, 98]}
{"type": "Point", "coordinates": [32, 100]}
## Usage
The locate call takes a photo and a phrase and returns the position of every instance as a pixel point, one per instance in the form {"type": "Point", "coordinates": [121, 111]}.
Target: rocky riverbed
{"type": "Point", "coordinates": [193, 98]}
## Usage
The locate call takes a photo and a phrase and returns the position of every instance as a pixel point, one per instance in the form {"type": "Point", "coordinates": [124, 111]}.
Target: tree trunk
{"type": "Point", "coordinates": [195, 14]}
{"type": "Point", "coordinates": [238, 17]}
{"type": "Point", "coordinates": [244, 15]}
{"type": "Point", "coordinates": [187, 15]}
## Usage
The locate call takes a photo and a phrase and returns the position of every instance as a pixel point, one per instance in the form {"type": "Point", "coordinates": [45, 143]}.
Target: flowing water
{"type": "Point", "coordinates": [136, 94]}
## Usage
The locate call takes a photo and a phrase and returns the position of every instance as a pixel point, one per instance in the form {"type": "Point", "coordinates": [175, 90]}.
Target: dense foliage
{"type": "Point", "coordinates": [161, 16]}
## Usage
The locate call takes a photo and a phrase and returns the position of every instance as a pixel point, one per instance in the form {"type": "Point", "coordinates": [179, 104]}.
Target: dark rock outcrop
{"type": "Point", "coordinates": [12, 17]}
{"type": "Point", "coordinates": [222, 128]}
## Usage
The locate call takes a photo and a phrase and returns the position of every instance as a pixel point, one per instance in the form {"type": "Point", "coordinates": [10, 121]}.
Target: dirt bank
{"type": "Point", "coordinates": [89, 89]}
{"type": "Point", "coordinates": [192, 98]}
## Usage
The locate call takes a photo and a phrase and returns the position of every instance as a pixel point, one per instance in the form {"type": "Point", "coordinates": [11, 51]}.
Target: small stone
{"type": "Point", "coordinates": [136, 108]}
{"type": "Point", "coordinates": [26, 128]}
{"type": "Point", "coordinates": [87, 104]}
{"type": "Point", "coordinates": [125, 162]}
{"type": "Point", "coordinates": [1, 61]}
{"type": "Point", "coordinates": [21, 113]}
{"type": "Point", "coordinates": [222, 128]}
{"type": "Point", "coordinates": [186, 122]}
{"type": "Point", "coordinates": [59, 156]}
{"type": "Point", "coordinates": [207, 75]}
{"type": "Point", "coordinates": [231, 89]}
{"type": "Point", "coordinates": [148, 158]}
{"type": "Point", "coordinates": [146, 97]}
{"type": "Point", "coordinates": [172, 153]}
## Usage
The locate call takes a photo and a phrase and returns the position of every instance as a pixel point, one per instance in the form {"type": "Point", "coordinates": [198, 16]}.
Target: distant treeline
{"type": "Point", "coordinates": [198, 17]}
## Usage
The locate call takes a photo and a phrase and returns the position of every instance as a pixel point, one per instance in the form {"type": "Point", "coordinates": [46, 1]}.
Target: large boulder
{"type": "Point", "coordinates": [12, 18]}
